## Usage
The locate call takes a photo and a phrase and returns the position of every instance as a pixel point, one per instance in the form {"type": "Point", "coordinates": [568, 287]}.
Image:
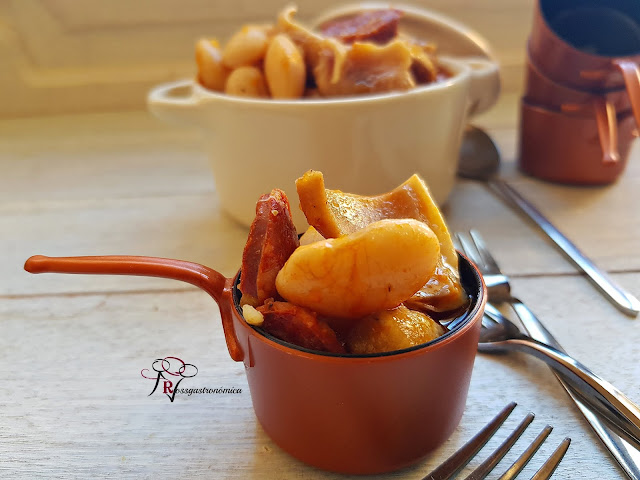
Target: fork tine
{"type": "Point", "coordinates": [470, 251]}
{"type": "Point", "coordinates": [459, 459]}
{"type": "Point", "coordinates": [487, 321]}
{"type": "Point", "coordinates": [473, 246]}
{"type": "Point", "coordinates": [522, 461]}
{"type": "Point", "coordinates": [485, 467]}
{"type": "Point", "coordinates": [491, 335]}
{"type": "Point", "coordinates": [493, 313]}
{"type": "Point", "coordinates": [551, 464]}
{"type": "Point", "coordinates": [488, 259]}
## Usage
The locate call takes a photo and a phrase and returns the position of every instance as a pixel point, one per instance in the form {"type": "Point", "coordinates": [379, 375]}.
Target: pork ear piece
{"type": "Point", "coordinates": [272, 240]}
{"type": "Point", "coordinates": [361, 55]}
{"type": "Point", "coordinates": [334, 213]}
{"type": "Point", "coordinates": [365, 68]}
{"type": "Point", "coordinates": [381, 27]}
{"type": "Point", "coordinates": [442, 297]}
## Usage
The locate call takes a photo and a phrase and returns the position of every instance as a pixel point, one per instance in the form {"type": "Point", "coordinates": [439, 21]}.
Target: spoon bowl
{"type": "Point", "coordinates": [479, 155]}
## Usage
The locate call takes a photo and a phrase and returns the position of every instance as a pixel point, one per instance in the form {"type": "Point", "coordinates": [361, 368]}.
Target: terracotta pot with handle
{"type": "Point", "coordinates": [345, 413]}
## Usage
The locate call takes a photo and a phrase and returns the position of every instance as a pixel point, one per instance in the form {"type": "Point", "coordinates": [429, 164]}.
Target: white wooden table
{"type": "Point", "coordinates": [73, 402]}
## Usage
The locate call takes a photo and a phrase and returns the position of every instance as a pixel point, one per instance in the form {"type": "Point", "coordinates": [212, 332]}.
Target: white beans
{"type": "Point", "coordinates": [246, 47]}
{"type": "Point", "coordinates": [284, 68]}
{"type": "Point", "coordinates": [380, 266]}
{"type": "Point", "coordinates": [296, 62]}
{"type": "Point", "coordinates": [247, 82]}
{"type": "Point", "coordinates": [212, 73]}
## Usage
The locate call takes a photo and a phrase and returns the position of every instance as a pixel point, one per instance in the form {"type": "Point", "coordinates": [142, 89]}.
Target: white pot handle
{"type": "Point", "coordinates": [485, 83]}
{"type": "Point", "coordinates": [176, 102]}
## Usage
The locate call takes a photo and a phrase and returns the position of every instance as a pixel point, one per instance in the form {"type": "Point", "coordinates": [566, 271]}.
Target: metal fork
{"type": "Point", "coordinates": [626, 454]}
{"type": "Point", "coordinates": [459, 459]}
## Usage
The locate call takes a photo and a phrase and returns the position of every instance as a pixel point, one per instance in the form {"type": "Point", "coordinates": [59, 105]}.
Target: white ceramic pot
{"type": "Point", "coordinates": [362, 144]}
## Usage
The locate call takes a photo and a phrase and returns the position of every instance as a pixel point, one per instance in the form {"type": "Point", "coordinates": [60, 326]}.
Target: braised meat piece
{"type": "Point", "coordinates": [272, 239]}
{"type": "Point", "coordinates": [377, 26]}
{"type": "Point", "coordinates": [299, 326]}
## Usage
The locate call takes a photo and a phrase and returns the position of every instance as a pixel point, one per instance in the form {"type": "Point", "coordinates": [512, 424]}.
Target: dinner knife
{"type": "Point", "coordinates": [621, 299]}
{"type": "Point", "coordinates": [626, 454]}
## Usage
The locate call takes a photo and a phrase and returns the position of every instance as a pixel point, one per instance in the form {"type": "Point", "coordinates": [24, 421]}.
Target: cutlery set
{"type": "Point", "coordinates": [612, 415]}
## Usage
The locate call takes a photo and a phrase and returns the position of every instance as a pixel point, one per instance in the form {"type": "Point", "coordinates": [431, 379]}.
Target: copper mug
{"type": "Point", "coordinates": [541, 89]}
{"type": "Point", "coordinates": [589, 45]}
{"type": "Point", "coordinates": [603, 107]}
{"type": "Point", "coordinates": [354, 414]}
{"type": "Point", "coordinates": [566, 147]}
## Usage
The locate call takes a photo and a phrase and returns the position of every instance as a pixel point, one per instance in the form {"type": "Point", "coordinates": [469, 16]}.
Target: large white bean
{"type": "Point", "coordinates": [247, 82]}
{"type": "Point", "coordinates": [246, 47]}
{"type": "Point", "coordinates": [212, 73]}
{"type": "Point", "coordinates": [367, 271]}
{"type": "Point", "coordinates": [284, 68]}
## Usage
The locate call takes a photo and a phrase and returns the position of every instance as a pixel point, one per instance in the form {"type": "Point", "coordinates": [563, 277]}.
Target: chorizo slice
{"type": "Point", "coordinates": [299, 326]}
{"type": "Point", "coordinates": [272, 239]}
{"type": "Point", "coordinates": [377, 26]}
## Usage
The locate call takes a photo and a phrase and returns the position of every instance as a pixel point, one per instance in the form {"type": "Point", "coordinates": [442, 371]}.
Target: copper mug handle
{"type": "Point", "coordinates": [631, 75]}
{"type": "Point", "coordinates": [606, 123]}
{"type": "Point", "coordinates": [209, 280]}
{"type": "Point", "coordinates": [607, 130]}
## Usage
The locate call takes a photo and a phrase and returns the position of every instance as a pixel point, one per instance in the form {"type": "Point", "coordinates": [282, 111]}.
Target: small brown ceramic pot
{"type": "Point", "coordinates": [566, 148]}
{"type": "Point", "coordinates": [356, 414]}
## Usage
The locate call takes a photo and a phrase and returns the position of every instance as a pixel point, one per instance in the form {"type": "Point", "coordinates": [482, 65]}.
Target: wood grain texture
{"type": "Point", "coordinates": [74, 403]}
{"type": "Point", "coordinates": [66, 56]}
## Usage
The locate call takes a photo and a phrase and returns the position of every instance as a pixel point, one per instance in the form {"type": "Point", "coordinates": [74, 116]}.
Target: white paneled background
{"type": "Point", "coordinates": [65, 56]}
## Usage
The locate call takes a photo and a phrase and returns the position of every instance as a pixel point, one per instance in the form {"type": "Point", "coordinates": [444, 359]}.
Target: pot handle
{"type": "Point", "coordinates": [175, 102]}
{"type": "Point", "coordinates": [485, 83]}
{"type": "Point", "coordinates": [209, 280]}
{"type": "Point", "coordinates": [631, 74]}
{"type": "Point", "coordinates": [607, 130]}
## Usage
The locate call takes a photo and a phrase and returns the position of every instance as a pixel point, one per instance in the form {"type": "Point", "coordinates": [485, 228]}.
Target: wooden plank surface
{"type": "Point", "coordinates": [75, 404]}
{"type": "Point", "coordinates": [130, 184]}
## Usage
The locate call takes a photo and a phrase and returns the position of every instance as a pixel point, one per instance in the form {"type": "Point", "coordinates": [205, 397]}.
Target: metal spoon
{"type": "Point", "coordinates": [499, 334]}
{"type": "Point", "coordinates": [480, 159]}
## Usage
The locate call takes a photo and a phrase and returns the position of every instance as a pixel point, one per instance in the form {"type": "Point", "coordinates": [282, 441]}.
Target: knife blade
{"type": "Point", "coordinates": [620, 298]}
